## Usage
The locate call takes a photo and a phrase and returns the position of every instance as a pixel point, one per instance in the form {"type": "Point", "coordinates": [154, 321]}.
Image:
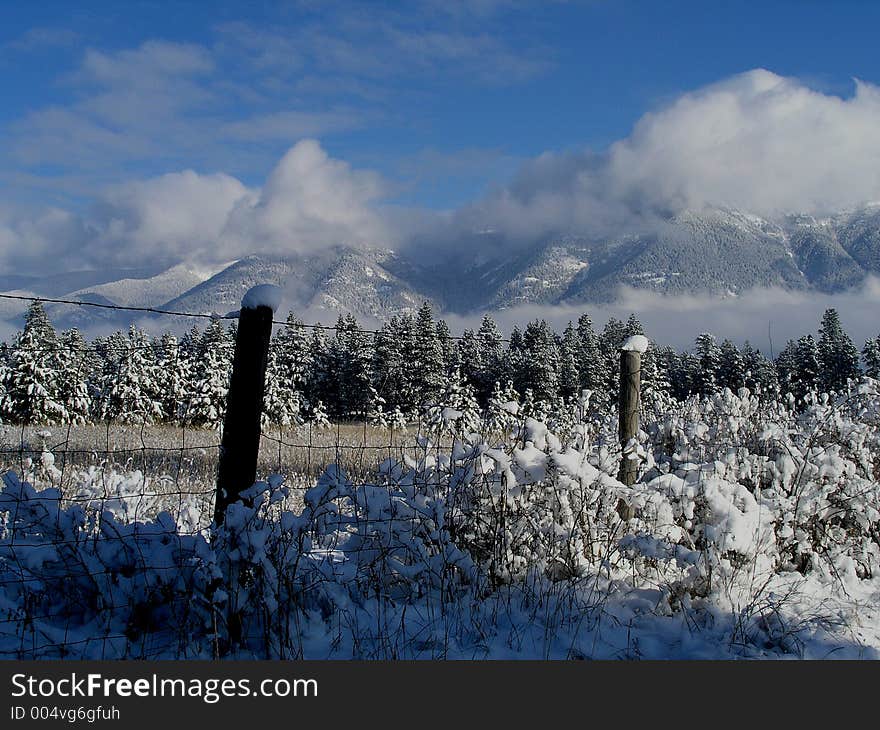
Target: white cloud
{"type": "Point", "coordinates": [764, 316]}
{"type": "Point", "coordinates": [310, 200]}
{"type": "Point", "coordinates": [756, 141]}
{"type": "Point", "coordinates": [175, 216]}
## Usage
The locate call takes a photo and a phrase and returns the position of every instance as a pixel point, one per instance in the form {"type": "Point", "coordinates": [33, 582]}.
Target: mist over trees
{"type": "Point", "coordinates": [409, 369]}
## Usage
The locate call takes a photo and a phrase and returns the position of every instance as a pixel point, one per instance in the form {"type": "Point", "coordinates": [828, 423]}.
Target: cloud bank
{"type": "Point", "coordinates": [756, 141]}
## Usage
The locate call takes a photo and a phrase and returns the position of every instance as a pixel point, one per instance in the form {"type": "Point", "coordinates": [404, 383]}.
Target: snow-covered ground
{"type": "Point", "coordinates": [753, 531]}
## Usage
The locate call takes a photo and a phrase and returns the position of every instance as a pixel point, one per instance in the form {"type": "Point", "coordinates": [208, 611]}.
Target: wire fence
{"type": "Point", "coordinates": [107, 548]}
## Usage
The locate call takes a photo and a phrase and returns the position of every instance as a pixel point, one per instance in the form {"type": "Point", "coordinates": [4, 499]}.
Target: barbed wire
{"type": "Point", "coordinates": [212, 316]}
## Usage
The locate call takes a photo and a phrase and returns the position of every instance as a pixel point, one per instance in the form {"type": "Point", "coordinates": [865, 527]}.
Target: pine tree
{"type": "Point", "coordinates": [838, 356]}
{"type": "Point", "coordinates": [569, 376]}
{"type": "Point", "coordinates": [708, 356]}
{"type": "Point", "coordinates": [760, 375]}
{"type": "Point", "coordinates": [807, 368]}
{"type": "Point", "coordinates": [174, 367]}
{"type": "Point", "coordinates": [591, 366]}
{"type": "Point", "coordinates": [447, 348]}
{"type": "Point", "coordinates": [871, 357]}
{"type": "Point", "coordinates": [77, 367]}
{"type": "Point", "coordinates": [131, 386]}
{"type": "Point", "coordinates": [287, 372]}
{"type": "Point", "coordinates": [731, 371]}
{"type": "Point", "coordinates": [347, 371]}
{"type": "Point", "coordinates": [207, 405]}
{"type": "Point", "coordinates": [427, 357]}
{"type": "Point", "coordinates": [786, 368]}
{"type": "Point", "coordinates": [390, 369]}
{"type": "Point", "coordinates": [492, 364]}
{"type": "Point", "coordinates": [539, 364]}
{"type": "Point", "coordinates": [610, 341]}
{"type": "Point", "coordinates": [30, 380]}
{"type": "Point", "coordinates": [471, 358]}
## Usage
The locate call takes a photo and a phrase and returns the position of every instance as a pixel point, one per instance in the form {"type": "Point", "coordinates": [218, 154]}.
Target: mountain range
{"type": "Point", "coordinates": [715, 251]}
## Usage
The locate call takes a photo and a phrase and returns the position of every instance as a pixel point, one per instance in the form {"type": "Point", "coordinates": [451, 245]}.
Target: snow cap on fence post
{"type": "Point", "coordinates": [262, 295]}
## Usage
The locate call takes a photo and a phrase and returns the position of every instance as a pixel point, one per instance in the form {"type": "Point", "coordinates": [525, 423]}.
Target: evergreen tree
{"type": "Point", "coordinates": [591, 366]}
{"type": "Point", "coordinates": [786, 368]}
{"type": "Point", "coordinates": [731, 370]}
{"type": "Point", "coordinates": [806, 366]}
{"type": "Point", "coordinates": [871, 358]}
{"type": "Point", "coordinates": [77, 368]}
{"type": "Point", "coordinates": [539, 363]}
{"type": "Point", "coordinates": [471, 358]}
{"type": "Point", "coordinates": [427, 357]}
{"type": "Point", "coordinates": [347, 371]}
{"type": "Point", "coordinates": [610, 341]}
{"type": "Point", "coordinates": [838, 356]}
{"type": "Point", "coordinates": [174, 365]}
{"type": "Point", "coordinates": [448, 349]}
{"type": "Point", "coordinates": [569, 376]}
{"type": "Point", "coordinates": [30, 381]}
{"type": "Point", "coordinates": [492, 364]}
{"type": "Point", "coordinates": [131, 380]}
{"type": "Point", "coordinates": [207, 405]}
{"type": "Point", "coordinates": [287, 372]}
{"type": "Point", "coordinates": [708, 356]}
{"type": "Point", "coordinates": [760, 375]}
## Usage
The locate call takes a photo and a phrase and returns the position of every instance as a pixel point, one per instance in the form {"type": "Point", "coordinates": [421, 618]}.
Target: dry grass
{"type": "Point", "coordinates": [187, 458]}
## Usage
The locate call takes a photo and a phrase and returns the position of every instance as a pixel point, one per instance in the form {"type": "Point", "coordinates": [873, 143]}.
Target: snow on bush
{"type": "Point", "coordinates": [753, 531]}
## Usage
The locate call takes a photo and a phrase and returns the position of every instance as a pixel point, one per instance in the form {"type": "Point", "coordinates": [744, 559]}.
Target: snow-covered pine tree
{"type": "Point", "coordinates": [610, 341]}
{"type": "Point", "coordinates": [871, 357]}
{"type": "Point", "coordinates": [708, 354]}
{"type": "Point", "coordinates": [348, 371]}
{"type": "Point", "coordinates": [287, 373]}
{"type": "Point", "coordinates": [569, 375]}
{"type": "Point", "coordinates": [316, 384]}
{"type": "Point", "coordinates": [807, 375]}
{"type": "Point", "coordinates": [731, 372]}
{"type": "Point", "coordinates": [207, 404]}
{"type": "Point", "coordinates": [78, 366]}
{"type": "Point", "coordinates": [502, 411]}
{"type": "Point", "coordinates": [389, 368]}
{"type": "Point", "coordinates": [683, 375]}
{"type": "Point", "coordinates": [471, 358]}
{"type": "Point", "coordinates": [131, 389]}
{"type": "Point", "coordinates": [491, 360]}
{"type": "Point", "coordinates": [786, 367]}
{"type": "Point", "coordinates": [30, 380]}
{"type": "Point", "coordinates": [427, 357]}
{"type": "Point", "coordinates": [838, 356]}
{"type": "Point", "coordinates": [456, 409]}
{"type": "Point", "coordinates": [174, 377]}
{"type": "Point", "coordinates": [539, 363]}
{"type": "Point", "coordinates": [591, 366]}
{"type": "Point", "coordinates": [447, 347]}
{"type": "Point", "coordinates": [760, 375]}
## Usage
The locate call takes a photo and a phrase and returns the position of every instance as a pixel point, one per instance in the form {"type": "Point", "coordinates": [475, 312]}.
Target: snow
{"type": "Point", "coordinates": [635, 343]}
{"type": "Point", "coordinates": [262, 295]}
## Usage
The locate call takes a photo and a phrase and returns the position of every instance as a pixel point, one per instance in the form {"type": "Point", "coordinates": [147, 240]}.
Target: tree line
{"type": "Point", "coordinates": [411, 368]}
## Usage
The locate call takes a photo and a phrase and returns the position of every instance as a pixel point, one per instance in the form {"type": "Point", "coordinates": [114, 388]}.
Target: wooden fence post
{"type": "Point", "coordinates": [244, 407]}
{"type": "Point", "coordinates": [630, 391]}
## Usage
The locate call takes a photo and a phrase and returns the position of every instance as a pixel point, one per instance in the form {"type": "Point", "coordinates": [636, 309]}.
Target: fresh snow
{"type": "Point", "coordinates": [635, 343]}
{"type": "Point", "coordinates": [262, 295]}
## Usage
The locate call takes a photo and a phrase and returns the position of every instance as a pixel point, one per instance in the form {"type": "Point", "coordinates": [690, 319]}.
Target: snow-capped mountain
{"type": "Point", "coordinates": [717, 251]}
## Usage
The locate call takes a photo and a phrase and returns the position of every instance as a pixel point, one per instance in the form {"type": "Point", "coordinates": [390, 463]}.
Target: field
{"type": "Point", "coordinates": [752, 531]}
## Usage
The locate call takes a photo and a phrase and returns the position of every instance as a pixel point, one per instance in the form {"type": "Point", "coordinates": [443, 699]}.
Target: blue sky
{"type": "Point", "coordinates": [147, 133]}
{"type": "Point", "coordinates": [443, 99]}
